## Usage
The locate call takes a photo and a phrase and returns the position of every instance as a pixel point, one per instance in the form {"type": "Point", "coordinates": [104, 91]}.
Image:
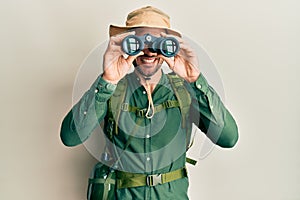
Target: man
{"type": "Point", "coordinates": [150, 132]}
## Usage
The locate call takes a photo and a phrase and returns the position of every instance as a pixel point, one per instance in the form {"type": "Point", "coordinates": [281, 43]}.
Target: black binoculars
{"type": "Point", "coordinates": [167, 46]}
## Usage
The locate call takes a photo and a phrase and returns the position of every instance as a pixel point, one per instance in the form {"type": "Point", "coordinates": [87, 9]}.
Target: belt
{"type": "Point", "coordinates": [126, 179]}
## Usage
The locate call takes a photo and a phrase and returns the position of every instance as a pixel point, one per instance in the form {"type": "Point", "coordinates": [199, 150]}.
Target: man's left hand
{"type": "Point", "coordinates": [185, 64]}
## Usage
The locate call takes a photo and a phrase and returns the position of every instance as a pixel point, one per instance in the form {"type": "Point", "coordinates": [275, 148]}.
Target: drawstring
{"type": "Point", "coordinates": [150, 110]}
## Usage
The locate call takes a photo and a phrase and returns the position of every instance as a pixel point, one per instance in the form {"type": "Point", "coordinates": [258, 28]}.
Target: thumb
{"type": "Point", "coordinates": [130, 59]}
{"type": "Point", "coordinates": [169, 61]}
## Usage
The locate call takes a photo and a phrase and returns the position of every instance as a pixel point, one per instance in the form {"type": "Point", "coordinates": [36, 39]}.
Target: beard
{"type": "Point", "coordinates": [147, 73]}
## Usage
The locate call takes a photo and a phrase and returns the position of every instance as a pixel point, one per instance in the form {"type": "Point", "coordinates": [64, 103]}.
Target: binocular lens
{"type": "Point", "coordinates": [132, 45]}
{"type": "Point", "coordinates": [169, 47]}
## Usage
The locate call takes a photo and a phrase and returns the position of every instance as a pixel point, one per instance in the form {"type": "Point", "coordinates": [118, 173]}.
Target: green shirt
{"type": "Point", "coordinates": [158, 145]}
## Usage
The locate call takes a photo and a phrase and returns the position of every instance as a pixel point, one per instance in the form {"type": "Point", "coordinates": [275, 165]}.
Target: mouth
{"type": "Point", "coordinates": [147, 60]}
{"type": "Point", "coordinates": [147, 65]}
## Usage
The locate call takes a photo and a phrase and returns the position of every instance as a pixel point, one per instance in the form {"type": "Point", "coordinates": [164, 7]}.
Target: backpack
{"type": "Point", "coordinates": [116, 105]}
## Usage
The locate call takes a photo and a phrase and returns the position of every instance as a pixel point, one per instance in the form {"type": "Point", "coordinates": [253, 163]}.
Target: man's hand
{"type": "Point", "coordinates": [185, 64]}
{"type": "Point", "coordinates": [115, 65]}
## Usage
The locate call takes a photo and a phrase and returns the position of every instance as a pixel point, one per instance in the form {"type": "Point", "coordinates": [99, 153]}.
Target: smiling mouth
{"type": "Point", "coordinates": [148, 60]}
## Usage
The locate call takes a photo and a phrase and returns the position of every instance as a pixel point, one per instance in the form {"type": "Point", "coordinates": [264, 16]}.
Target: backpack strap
{"type": "Point", "coordinates": [183, 96]}
{"type": "Point", "coordinates": [141, 112]}
{"type": "Point", "coordinates": [115, 104]}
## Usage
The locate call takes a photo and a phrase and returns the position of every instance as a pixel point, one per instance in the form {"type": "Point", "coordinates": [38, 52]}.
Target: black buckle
{"type": "Point", "coordinates": [141, 113]}
{"type": "Point", "coordinates": [153, 180]}
{"type": "Point", "coordinates": [169, 104]}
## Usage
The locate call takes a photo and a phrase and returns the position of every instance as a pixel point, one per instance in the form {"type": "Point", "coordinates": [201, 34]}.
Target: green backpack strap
{"type": "Point", "coordinates": [116, 102]}
{"type": "Point", "coordinates": [184, 98]}
{"type": "Point", "coordinates": [177, 83]}
{"type": "Point", "coordinates": [191, 161]}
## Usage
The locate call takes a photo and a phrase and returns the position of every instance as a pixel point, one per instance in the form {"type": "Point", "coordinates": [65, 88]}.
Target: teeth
{"type": "Point", "coordinates": [148, 60]}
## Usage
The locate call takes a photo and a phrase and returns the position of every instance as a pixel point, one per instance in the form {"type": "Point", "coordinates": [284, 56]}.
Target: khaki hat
{"type": "Point", "coordinates": [145, 17]}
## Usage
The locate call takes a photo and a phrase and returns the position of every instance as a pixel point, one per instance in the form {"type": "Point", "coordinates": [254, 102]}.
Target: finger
{"type": "Point", "coordinates": [117, 39]}
{"type": "Point", "coordinates": [169, 61]}
{"type": "Point", "coordinates": [187, 58]}
{"type": "Point", "coordinates": [164, 34]}
{"type": "Point", "coordinates": [130, 59]}
{"type": "Point", "coordinates": [186, 47]}
{"type": "Point", "coordinates": [179, 39]}
{"type": "Point", "coordinates": [187, 51]}
{"type": "Point", "coordinates": [113, 47]}
{"type": "Point", "coordinates": [124, 34]}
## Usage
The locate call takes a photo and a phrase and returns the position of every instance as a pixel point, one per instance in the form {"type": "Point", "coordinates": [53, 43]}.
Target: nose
{"type": "Point", "coordinates": [147, 51]}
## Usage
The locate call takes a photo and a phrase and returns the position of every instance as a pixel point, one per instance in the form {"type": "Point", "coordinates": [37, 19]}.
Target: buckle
{"type": "Point", "coordinates": [153, 180]}
{"type": "Point", "coordinates": [169, 104]}
{"type": "Point", "coordinates": [125, 107]}
{"type": "Point", "coordinates": [141, 113]}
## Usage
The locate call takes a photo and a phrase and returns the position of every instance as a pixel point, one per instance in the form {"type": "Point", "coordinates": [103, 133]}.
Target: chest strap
{"type": "Point", "coordinates": [141, 112]}
{"type": "Point", "coordinates": [126, 179]}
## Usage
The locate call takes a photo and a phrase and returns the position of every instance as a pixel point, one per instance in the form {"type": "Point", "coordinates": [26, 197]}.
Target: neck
{"type": "Point", "coordinates": [153, 80]}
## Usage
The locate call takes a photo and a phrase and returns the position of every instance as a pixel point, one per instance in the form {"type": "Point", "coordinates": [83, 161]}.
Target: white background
{"type": "Point", "coordinates": [254, 44]}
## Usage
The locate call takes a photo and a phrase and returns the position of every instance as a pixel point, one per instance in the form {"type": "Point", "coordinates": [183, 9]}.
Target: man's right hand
{"type": "Point", "coordinates": [115, 65]}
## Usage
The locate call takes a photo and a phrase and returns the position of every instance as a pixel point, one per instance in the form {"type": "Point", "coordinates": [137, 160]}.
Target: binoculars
{"type": "Point", "coordinates": [167, 46]}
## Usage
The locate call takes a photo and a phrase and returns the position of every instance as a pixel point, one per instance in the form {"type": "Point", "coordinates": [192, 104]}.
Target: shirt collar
{"type": "Point", "coordinates": [136, 80]}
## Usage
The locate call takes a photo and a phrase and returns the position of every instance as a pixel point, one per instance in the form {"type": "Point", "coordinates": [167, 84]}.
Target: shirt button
{"type": "Point", "coordinates": [96, 90]}
{"type": "Point", "coordinates": [84, 112]}
{"type": "Point", "coordinates": [144, 92]}
{"type": "Point", "coordinates": [148, 158]}
{"type": "Point", "coordinates": [147, 136]}
{"type": "Point", "coordinates": [110, 87]}
{"type": "Point", "coordinates": [198, 86]}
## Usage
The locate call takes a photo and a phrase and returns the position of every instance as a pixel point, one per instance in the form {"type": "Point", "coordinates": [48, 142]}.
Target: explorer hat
{"type": "Point", "coordinates": [145, 17]}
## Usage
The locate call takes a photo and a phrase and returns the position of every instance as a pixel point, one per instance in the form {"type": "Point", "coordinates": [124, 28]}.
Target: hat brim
{"type": "Point", "coordinates": [115, 30]}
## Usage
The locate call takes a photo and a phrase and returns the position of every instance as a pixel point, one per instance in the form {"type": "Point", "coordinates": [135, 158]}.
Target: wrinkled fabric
{"type": "Point", "coordinates": [158, 145]}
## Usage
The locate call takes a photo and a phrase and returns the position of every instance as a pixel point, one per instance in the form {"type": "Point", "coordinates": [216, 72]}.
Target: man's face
{"type": "Point", "coordinates": [148, 64]}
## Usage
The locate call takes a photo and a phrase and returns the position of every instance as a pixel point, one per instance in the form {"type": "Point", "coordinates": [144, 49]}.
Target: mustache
{"type": "Point", "coordinates": [147, 56]}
